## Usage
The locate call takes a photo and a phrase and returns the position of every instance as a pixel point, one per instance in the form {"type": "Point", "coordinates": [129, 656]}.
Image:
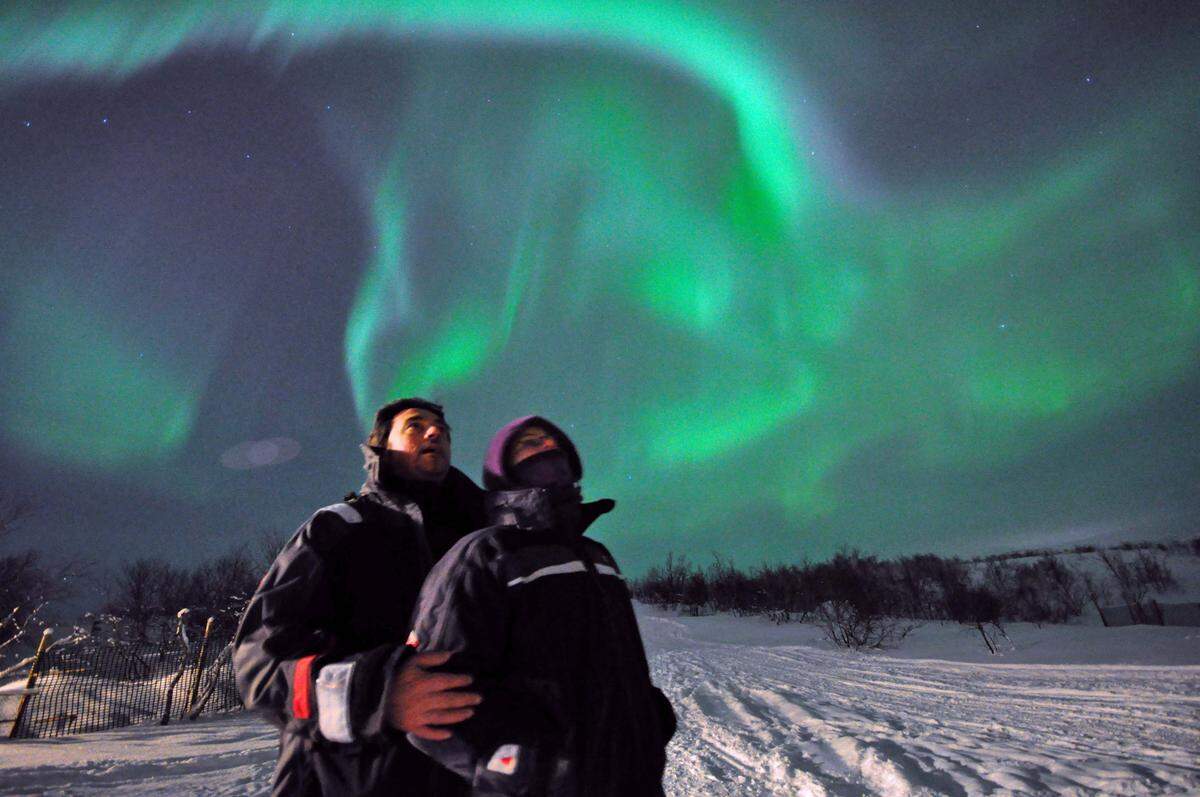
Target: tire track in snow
{"type": "Point", "coordinates": [740, 749]}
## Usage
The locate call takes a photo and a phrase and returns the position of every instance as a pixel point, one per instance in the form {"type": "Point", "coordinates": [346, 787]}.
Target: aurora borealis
{"type": "Point", "coordinates": [795, 276]}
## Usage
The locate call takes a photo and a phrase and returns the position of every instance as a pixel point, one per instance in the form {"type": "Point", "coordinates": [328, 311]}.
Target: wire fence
{"type": "Point", "coordinates": [96, 685]}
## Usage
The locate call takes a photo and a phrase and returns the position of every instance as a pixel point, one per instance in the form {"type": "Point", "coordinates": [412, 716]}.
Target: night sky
{"type": "Point", "coordinates": [795, 276]}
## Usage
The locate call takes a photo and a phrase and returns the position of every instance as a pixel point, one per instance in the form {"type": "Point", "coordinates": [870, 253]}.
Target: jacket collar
{"type": "Point", "coordinates": [548, 508]}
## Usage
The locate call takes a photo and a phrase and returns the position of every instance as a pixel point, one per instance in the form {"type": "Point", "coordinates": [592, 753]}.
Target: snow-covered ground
{"type": "Point", "coordinates": [775, 710]}
{"type": "Point", "coordinates": [226, 755]}
{"type": "Point", "coordinates": [768, 710]}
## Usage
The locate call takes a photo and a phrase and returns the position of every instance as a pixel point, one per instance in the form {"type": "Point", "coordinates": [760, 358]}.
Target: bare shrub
{"type": "Point", "coordinates": [664, 586]}
{"type": "Point", "coordinates": [950, 580]}
{"type": "Point", "coordinates": [1044, 591]}
{"type": "Point", "coordinates": [786, 591]}
{"type": "Point", "coordinates": [1152, 569]}
{"type": "Point", "coordinates": [1130, 583]}
{"type": "Point", "coordinates": [695, 594]}
{"type": "Point", "coordinates": [225, 585]}
{"type": "Point", "coordinates": [1097, 590]}
{"type": "Point", "coordinates": [264, 548]}
{"type": "Point", "coordinates": [729, 589]}
{"type": "Point", "coordinates": [855, 626]}
{"type": "Point", "coordinates": [856, 594]}
{"type": "Point", "coordinates": [854, 588]}
{"type": "Point", "coordinates": [136, 595]}
{"type": "Point", "coordinates": [981, 608]}
{"type": "Point", "coordinates": [29, 584]}
{"type": "Point", "coordinates": [920, 587]}
{"type": "Point", "coordinates": [1030, 601]}
{"type": "Point", "coordinates": [146, 594]}
{"type": "Point", "coordinates": [850, 576]}
{"type": "Point", "coordinates": [1063, 593]}
{"type": "Point", "coordinates": [12, 512]}
{"type": "Point", "coordinates": [25, 587]}
{"type": "Point", "coordinates": [1000, 579]}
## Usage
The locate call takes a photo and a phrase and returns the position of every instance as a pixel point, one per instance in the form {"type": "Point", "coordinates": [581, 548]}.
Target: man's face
{"type": "Point", "coordinates": [531, 440]}
{"type": "Point", "coordinates": [421, 442]}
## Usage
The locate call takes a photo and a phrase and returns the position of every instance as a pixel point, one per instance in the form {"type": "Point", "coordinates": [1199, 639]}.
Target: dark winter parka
{"type": "Point", "coordinates": [323, 635]}
{"type": "Point", "coordinates": [542, 617]}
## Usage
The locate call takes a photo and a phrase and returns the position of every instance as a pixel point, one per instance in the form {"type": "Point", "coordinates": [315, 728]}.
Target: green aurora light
{"type": "Point", "coordinates": [720, 313]}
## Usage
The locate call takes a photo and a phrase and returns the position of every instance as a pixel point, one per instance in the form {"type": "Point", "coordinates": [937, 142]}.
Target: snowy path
{"type": "Point", "coordinates": [759, 717]}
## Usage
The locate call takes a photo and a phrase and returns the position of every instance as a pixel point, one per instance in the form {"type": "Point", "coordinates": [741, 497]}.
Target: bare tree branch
{"type": "Point", "coordinates": [12, 512]}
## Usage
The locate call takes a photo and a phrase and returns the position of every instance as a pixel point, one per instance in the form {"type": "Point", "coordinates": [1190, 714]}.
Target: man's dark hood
{"type": "Point", "coordinates": [372, 462]}
{"type": "Point", "coordinates": [386, 482]}
{"type": "Point", "coordinates": [455, 502]}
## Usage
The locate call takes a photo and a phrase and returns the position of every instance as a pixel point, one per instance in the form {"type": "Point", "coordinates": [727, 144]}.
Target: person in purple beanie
{"type": "Point", "coordinates": [541, 617]}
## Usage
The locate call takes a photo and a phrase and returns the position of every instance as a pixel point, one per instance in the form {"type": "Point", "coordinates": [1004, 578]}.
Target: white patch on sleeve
{"type": "Point", "coordinates": [609, 571]}
{"type": "Point", "coordinates": [344, 511]}
{"type": "Point", "coordinates": [553, 570]}
{"type": "Point", "coordinates": [333, 701]}
{"type": "Point", "coordinates": [504, 760]}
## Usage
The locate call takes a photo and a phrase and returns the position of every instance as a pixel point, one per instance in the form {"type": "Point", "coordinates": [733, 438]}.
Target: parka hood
{"type": "Point", "coordinates": [496, 475]}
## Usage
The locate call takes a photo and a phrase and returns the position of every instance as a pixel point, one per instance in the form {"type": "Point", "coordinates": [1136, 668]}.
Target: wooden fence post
{"type": "Point", "coordinates": [199, 664]}
{"type": "Point", "coordinates": [30, 681]}
{"type": "Point", "coordinates": [181, 632]}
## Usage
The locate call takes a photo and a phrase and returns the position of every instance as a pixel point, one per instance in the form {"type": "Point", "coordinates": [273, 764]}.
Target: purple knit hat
{"type": "Point", "coordinates": [495, 475]}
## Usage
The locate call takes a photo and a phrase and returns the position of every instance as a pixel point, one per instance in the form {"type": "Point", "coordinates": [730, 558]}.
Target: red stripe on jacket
{"type": "Point", "coordinates": [301, 678]}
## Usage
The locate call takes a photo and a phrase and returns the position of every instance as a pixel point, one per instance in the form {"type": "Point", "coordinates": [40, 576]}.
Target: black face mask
{"type": "Point", "coordinates": [544, 469]}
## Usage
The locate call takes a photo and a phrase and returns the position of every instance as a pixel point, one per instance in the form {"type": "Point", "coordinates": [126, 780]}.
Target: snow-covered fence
{"type": "Point", "coordinates": [1152, 613]}
{"type": "Point", "coordinates": [97, 685]}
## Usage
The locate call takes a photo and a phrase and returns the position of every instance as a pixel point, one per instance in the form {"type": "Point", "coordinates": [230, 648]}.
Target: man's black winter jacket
{"type": "Point", "coordinates": [542, 617]}
{"type": "Point", "coordinates": [321, 638]}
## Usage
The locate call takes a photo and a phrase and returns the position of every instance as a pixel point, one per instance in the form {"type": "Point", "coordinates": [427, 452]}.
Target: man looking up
{"type": "Point", "coordinates": [320, 646]}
